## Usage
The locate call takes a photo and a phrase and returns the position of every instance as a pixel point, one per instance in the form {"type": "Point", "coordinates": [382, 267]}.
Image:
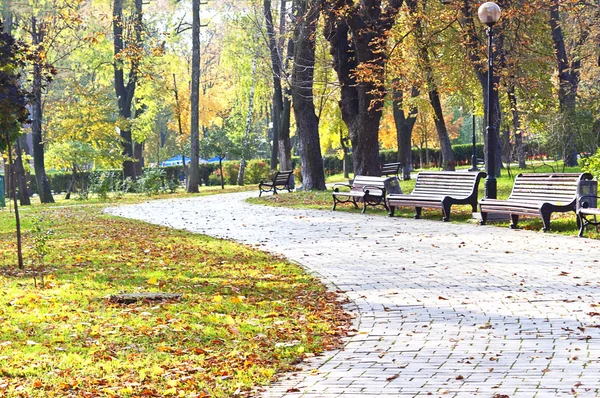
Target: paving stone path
{"type": "Point", "coordinates": [442, 309]}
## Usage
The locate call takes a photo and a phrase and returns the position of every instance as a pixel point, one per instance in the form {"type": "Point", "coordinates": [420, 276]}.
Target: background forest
{"type": "Point", "coordinates": [127, 84]}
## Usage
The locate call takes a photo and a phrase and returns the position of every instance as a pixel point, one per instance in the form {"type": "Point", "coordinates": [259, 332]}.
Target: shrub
{"type": "Point", "coordinates": [152, 181]}
{"type": "Point", "coordinates": [102, 183]}
{"type": "Point", "coordinates": [129, 185]}
{"type": "Point", "coordinates": [230, 172]}
{"type": "Point", "coordinates": [256, 171]}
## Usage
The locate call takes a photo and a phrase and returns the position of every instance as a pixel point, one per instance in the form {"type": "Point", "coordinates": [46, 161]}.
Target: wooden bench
{"type": "Point", "coordinates": [586, 211]}
{"type": "Point", "coordinates": [439, 190]}
{"type": "Point", "coordinates": [390, 169]}
{"type": "Point", "coordinates": [371, 191]}
{"type": "Point", "coordinates": [280, 180]}
{"type": "Point", "coordinates": [536, 195]}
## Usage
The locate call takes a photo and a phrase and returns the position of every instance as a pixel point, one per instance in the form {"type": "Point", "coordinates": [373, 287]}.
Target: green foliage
{"type": "Point", "coordinates": [102, 183]}
{"type": "Point", "coordinates": [152, 181]}
{"type": "Point", "coordinates": [13, 109]}
{"type": "Point", "coordinates": [592, 164]}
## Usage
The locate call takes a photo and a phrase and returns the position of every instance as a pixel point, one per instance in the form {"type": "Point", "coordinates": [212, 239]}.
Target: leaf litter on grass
{"type": "Point", "coordinates": [244, 315]}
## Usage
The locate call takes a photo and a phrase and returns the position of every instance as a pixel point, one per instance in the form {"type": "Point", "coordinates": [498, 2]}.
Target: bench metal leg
{"type": "Point", "coordinates": [514, 221]}
{"type": "Point", "coordinates": [417, 213]}
{"type": "Point", "coordinates": [446, 212]}
{"type": "Point", "coordinates": [483, 218]}
{"type": "Point", "coordinates": [582, 224]}
{"type": "Point", "coordinates": [546, 221]}
{"type": "Point", "coordinates": [391, 211]}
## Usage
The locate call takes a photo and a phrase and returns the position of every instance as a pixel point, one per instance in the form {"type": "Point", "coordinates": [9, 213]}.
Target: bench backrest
{"type": "Point", "coordinates": [390, 169]}
{"type": "Point", "coordinates": [552, 187]}
{"type": "Point", "coordinates": [447, 183]}
{"type": "Point", "coordinates": [282, 177]}
{"type": "Point", "coordinates": [360, 182]}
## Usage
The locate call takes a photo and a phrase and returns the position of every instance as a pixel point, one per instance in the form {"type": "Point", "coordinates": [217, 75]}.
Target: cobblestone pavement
{"type": "Point", "coordinates": [442, 309]}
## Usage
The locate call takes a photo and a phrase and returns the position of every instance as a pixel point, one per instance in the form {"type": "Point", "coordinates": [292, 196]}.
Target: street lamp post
{"type": "Point", "coordinates": [489, 14]}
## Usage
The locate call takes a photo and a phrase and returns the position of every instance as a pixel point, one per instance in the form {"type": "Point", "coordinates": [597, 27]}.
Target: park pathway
{"type": "Point", "coordinates": [442, 309]}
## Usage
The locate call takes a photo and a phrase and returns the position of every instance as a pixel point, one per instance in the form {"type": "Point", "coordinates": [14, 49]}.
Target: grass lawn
{"type": "Point", "coordinates": [244, 316]}
{"type": "Point", "coordinates": [562, 223]}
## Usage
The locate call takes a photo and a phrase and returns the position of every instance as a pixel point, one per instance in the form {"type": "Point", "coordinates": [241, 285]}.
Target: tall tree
{"type": "Point", "coordinates": [357, 33]}
{"type": "Point", "coordinates": [13, 112]}
{"type": "Point", "coordinates": [45, 24]}
{"type": "Point", "coordinates": [432, 86]}
{"type": "Point", "coordinates": [307, 14]}
{"type": "Point", "coordinates": [568, 64]}
{"type": "Point", "coordinates": [281, 104]}
{"type": "Point", "coordinates": [245, 139]}
{"type": "Point", "coordinates": [127, 52]}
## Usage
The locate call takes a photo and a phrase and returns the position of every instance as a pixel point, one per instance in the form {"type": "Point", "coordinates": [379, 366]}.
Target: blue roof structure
{"type": "Point", "coordinates": [177, 160]}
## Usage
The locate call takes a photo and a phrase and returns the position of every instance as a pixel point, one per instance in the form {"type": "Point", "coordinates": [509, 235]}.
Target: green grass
{"type": "Point", "coordinates": [561, 223]}
{"type": "Point", "coordinates": [245, 315]}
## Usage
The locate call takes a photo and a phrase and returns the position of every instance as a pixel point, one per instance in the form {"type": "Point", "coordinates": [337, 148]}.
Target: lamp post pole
{"type": "Point", "coordinates": [474, 155]}
{"type": "Point", "coordinates": [489, 14]}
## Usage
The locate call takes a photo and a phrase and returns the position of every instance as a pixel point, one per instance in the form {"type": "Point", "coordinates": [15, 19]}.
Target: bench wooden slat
{"type": "Point", "coordinates": [537, 195]}
{"type": "Point", "coordinates": [440, 189]}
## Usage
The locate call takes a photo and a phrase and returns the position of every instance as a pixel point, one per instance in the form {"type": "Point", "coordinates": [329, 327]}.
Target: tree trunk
{"type": "Point", "coordinates": [442, 131]}
{"type": "Point", "coordinates": [16, 205]}
{"type": "Point", "coordinates": [285, 143]}
{"type": "Point", "coordinates": [568, 79]}
{"type": "Point", "coordinates": [516, 121]}
{"type": "Point", "coordinates": [240, 179]}
{"type": "Point", "coordinates": [193, 182]}
{"type": "Point", "coordinates": [433, 92]}
{"type": "Point", "coordinates": [72, 183]}
{"type": "Point", "coordinates": [313, 175]}
{"type": "Point", "coordinates": [404, 127]}
{"type": "Point", "coordinates": [358, 41]}
{"type": "Point", "coordinates": [277, 69]}
{"type": "Point", "coordinates": [20, 174]}
{"type": "Point", "coordinates": [44, 190]}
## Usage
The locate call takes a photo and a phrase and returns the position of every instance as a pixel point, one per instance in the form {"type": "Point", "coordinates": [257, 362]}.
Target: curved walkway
{"type": "Point", "coordinates": [442, 309]}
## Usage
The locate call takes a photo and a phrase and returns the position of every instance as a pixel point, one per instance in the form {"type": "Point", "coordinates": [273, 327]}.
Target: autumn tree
{"type": "Point", "coordinates": [357, 33]}
{"type": "Point", "coordinates": [432, 87]}
{"type": "Point", "coordinates": [307, 14]}
{"type": "Point", "coordinates": [48, 25]}
{"type": "Point", "coordinates": [282, 148]}
{"type": "Point", "coordinates": [128, 53]}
